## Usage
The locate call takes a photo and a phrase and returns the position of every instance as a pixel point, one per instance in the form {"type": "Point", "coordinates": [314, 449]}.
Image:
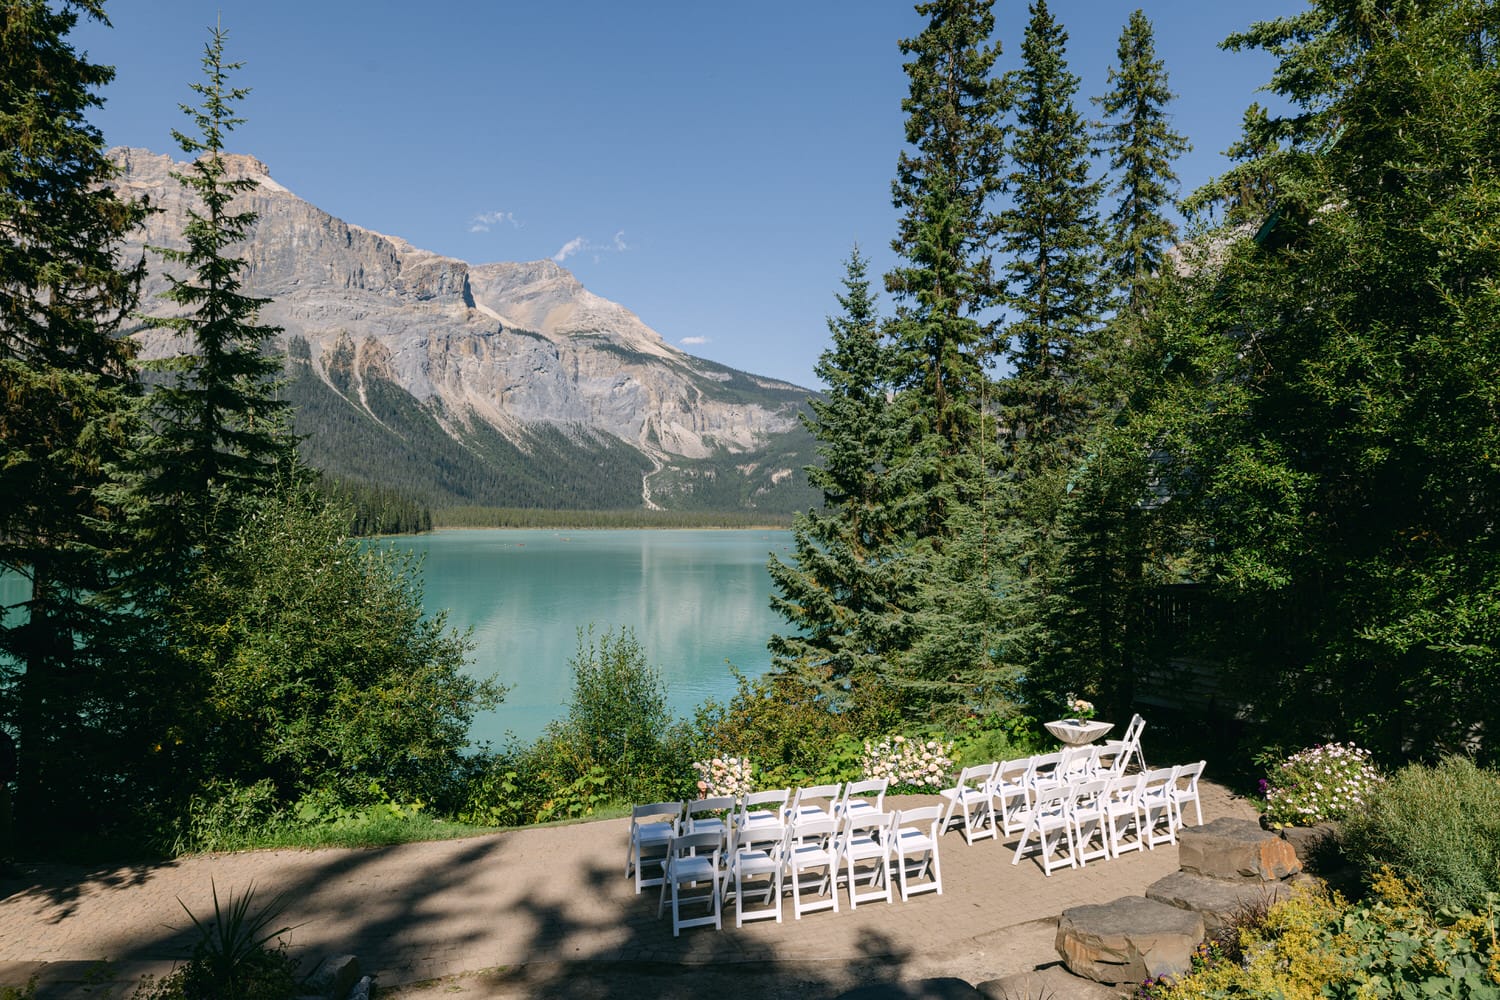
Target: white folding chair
{"type": "Point", "coordinates": [1157, 814]}
{"type": "Point", "coordinates": [1011, 790]}
{"type": "Point", "coordinates": [862, 798]}
{"type": "Point", "coordinates": [814, 802]}
{"type": "Point", "coordinates": [1120, 751]}
{"type": "Point", "coordinates": [1048, 819]}
{"type": "Point", "coordinates": [1087, 814]}
{"type": "Point", "coordinates": [1076, 764]}
{"type": "Point", "coordinates": [865, 850]}
{"type": "Point", "coordinates": [1044, 772]}
{"type": "Point", "coordinates": [693, 860]}
{"type": "Point", "coordinates": [712, 814]}
{"type": "Point", "coordinates": [765, 809]}
{"type": "Point", "coordinates": [973, 798]}
{"type": "Point", "coordinates": [915, 841]}
{"type": "Point", "coordinates": [1182, 794]}
{"type": "Point", "coordinates": [1122, 805]}
{"type": "Point", "coordinates": [652, 828]}
{"type": "Point", "coordinates": [757, 854]}
{"type": "Point", "coordinates": [812, 859]}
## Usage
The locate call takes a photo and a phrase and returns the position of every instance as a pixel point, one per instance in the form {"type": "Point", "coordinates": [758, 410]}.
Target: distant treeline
{"type": "Point", "coordinates": [513, 517]}
{"type": "Point", "coordinates": [379, 510]}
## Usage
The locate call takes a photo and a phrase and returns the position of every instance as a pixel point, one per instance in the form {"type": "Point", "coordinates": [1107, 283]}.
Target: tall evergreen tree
{"type": "Point", "coordinates": [1347, 480]}
{"type": "Point", "coordinates": [66, 392]}
{"type": "Point", "coordinates": [1049, 236]}
{"type": "Point", "coordinates": [945, 287]}
{"type": "Point", "coordinates": [842, 592]}
{"type": "Point", "coordinates": [1141, 145]}
{"type": "Point", "coordinates": [220, 428]}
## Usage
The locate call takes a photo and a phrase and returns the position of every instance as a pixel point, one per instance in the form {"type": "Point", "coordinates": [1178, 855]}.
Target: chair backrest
{"type": "Point", "coordinates": [718, 803]}
{"type": "Point", "coordinates": [870, 825]}
{"type": "Point", "coordinates": [1054, 798]}
{"type": "Point", "coordinates": [927, 816]}
{"type": "Point", "coordinates": [820, 830]}
{"type": "Point", "coordinates": [1087, 794]}
{"type": "Point", "coordinates": [808, 797]}
{"type": "Point", "coordinates": [976, 776]}
{"type": "Point", "coordinates": [1133, 731]}
{"type": "Point", "coordinates": [1077, 760]}
{"type": "Point", "coordinates": [1157, 780]}
{"type": "Point", "coordinates": [671, 810]}
{"type": "Point", "coordinates": [692, 843]}
{"type": "Point", "coordinates": [1192, 772]}
{"type": "Point", "coordinates": [1126, 789]}
{"type": "Point", "coordinates": [769, 837]}
{"type": "Point", "coordinates": [863, 790]}
{"type": "Point", "coordinates": [773, 795]}
{"type": "Point", "coordinates": [1043, 764]}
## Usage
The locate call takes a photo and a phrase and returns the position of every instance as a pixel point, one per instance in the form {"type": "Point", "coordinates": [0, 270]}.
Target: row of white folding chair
{"type": "Point", "coordinates": [1079, 813]}
{"type": "Point", "coordinates": [812, 857]}
{"type": "Point", "coordinates": [990, 798]}
{"type": "Point", "coordinates": [652, 826]}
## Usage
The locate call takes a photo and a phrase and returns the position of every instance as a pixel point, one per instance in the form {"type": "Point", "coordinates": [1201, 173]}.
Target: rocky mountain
{"type": "Point", "coordinates": [505, 384]}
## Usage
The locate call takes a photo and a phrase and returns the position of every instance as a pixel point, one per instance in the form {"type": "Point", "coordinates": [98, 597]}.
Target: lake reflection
{"type": "Point", "coordinates": [695, 599]}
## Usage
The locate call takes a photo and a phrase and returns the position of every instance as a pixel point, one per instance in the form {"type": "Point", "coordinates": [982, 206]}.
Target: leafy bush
{"type": "Point", "coordinates": [1000, 737]}
{"type": "Point", "coordinates": [1314, 945]}
{"type": "Point", "coordinates": [225, 816]}
{"type": "Point", "coordinates": [1438, 827]}
{"type": "Point", "coordinates": [786, 727]}
{"type": "Point", "coordinates": [1321, 783]}
{"type": "Point", "coordinates": [1295, 954]}
{"type": "Point", "coordinates": [325, 672]}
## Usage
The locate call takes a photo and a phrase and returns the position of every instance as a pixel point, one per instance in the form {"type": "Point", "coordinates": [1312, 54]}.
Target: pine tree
{"type": "Point", "coordinates": [66, 390]}
{"type": "Point", "coordinates": [1141, 145]}
{"type": "Point", "coordinates": [945, 287]}
{"type": "Point", "coordinates": [1049, 237]}
{"type": "Point", "coordinates": [841, 591]}
{"type": "Point", "coordinates": [220, 429]}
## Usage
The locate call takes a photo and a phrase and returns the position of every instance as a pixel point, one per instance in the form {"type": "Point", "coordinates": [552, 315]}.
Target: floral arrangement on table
{"type": "Point", "coordinates": [724, 776]}
{"type": "Point", "coordinates": [919, 764]}
{"type": "Point", "coordinates": [1322, 783]}
{"type": "Point", "coordinates": [1078, 708]}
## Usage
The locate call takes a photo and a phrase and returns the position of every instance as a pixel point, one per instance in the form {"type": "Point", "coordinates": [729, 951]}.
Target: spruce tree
{"type": "Point", "coordinates": [1141, 145]}
{"type": "Point", "coordinates": [1342, 477]}
{"type": "Point", "coordinates": [220, 430]}
{"type": "Point", "coordinates": [66, 396]}
{"type": "Point", "coordinates": [1049, 236]}
{"type": "Point", "coordinates": [945, 286]}
{"type": "Point", "coordinates": [841, 591]}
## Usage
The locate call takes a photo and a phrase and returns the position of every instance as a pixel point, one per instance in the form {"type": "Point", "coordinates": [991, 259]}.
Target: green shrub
{"type": "Point", "coordinates": [1438, 827]}
{"type": "Point", "coordinates": [225, 816]}
{"type": "Point", "coordinates": [1000, 737]}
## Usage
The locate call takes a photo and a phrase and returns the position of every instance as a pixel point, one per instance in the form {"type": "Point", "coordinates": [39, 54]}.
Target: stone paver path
{"type": "Point", "coordinates": [539, 898]}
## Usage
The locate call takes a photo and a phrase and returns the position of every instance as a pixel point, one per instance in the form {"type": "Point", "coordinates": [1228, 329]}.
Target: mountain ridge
{"type": "Point", "coordinates": [503, 357]}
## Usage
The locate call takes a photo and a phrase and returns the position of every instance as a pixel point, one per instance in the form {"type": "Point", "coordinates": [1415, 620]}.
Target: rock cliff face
{"type": "Point", "coordinates": [501, 348]}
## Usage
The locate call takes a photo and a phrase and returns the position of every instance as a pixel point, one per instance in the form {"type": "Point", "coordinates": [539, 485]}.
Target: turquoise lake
{"type": "Point", "coordinates": [697, 601]}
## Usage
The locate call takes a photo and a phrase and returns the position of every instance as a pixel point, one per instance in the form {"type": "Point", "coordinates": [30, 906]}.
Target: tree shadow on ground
{"type": "Point", "coordinates": [540, 914]}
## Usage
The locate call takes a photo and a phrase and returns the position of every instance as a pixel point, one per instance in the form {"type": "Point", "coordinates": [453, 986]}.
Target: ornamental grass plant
{"type": "Point", "coordinates": [1436, 826]}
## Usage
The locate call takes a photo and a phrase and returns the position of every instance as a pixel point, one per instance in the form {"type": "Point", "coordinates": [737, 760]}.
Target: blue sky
{"type": "Point", "coordinates": [708, 165]}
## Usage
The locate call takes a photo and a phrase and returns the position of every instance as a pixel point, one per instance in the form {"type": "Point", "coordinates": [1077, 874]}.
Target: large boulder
{"type": "Point", "coordinates": [1236, 849]}
{"type": "Point", "coordinates": [1128, 940]}
{"type": "Point", "coordinates": [1217, 901]}
{"type": "Point", "coordinates": [1053, 982]}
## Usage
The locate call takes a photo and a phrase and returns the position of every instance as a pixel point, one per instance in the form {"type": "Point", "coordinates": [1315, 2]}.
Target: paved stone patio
{"type": "Point", "coordinates": [547, 911]}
